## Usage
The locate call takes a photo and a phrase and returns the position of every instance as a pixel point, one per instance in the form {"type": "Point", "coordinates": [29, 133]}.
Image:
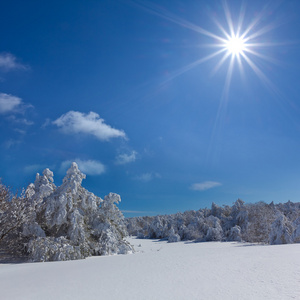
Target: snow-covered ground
{"type": "Point", "coordinates": [161, 270]}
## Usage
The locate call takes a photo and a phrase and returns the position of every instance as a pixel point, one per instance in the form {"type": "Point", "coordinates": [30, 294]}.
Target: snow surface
{"type": "Point", "coordinates": [161, 270]}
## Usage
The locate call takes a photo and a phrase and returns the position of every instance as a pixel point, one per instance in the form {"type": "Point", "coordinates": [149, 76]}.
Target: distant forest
{"type": "Point", "coordinates": [254, 223]}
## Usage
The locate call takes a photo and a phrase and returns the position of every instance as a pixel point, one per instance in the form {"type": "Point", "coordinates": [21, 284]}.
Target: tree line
{"type": "Point", "coordinates": [258, 223]}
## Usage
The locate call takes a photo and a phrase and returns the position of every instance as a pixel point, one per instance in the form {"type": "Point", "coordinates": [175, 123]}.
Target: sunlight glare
{"type": "Point", "coordinates": [235, 45]}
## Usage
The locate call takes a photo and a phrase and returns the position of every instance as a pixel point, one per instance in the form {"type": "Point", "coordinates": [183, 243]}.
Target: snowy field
{"type": "Point", "coordinates": [161, 270]}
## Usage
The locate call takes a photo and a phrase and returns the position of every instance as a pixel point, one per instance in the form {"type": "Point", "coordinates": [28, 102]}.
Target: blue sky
{"type": "Point", "coordinates": [132, 92]}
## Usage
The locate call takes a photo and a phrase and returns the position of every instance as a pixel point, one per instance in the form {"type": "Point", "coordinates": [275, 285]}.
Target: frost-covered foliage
{"type": "Point", "coordinates": [15, 211]}
{"type": "Point", "coordinates": [259, 222]}
{"type": "Point", "coordinates": [53, 249]}
{"type": "Point", "coordinates": [235, 234]}
{"type": "Point", "coordinates": [70, 222]}
{"type": "Point", "coordinates": [173, 237]}
{"type": "Point", "coordinates": [281, 230]}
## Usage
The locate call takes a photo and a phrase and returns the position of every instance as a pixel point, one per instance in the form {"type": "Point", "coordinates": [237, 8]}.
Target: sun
{"type": "Point", "coordinates": [236, 42]}
{"type": "Point", "coordinates": [235, 45]}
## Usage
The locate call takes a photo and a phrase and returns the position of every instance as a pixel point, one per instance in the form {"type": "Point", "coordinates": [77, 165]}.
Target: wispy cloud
{"type": "Point", "coordinates": [46, 123]}
{"type": "Point", "coordinates": [91, 123]}
{"type": "Point", "coordinates": [146, 177]}
{"type": "Point", "coordinates": [124, 158]}
{"type": "Point", "coordinates": [20, 131]}
{"type": "Point", "coordinates": [11, 143]}
{"type": "Point", "coordinates": [9, 62]}
{"type": "Point", "coordinates": [206, 185]}
{"type": "Point", "coordinates": [21, 121]}
{"type": "Point", "coordinates": [88, 167]}
{"type": "Point", "coordinates": [12, 104]}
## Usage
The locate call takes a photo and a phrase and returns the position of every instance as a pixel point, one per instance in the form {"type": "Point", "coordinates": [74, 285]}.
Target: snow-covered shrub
{"type": "Point", "coordinates": [53, 249]}
{"type": "Point", "coordinates": [173, 237]}
{"type": "Point", "coordinates": [235, 234]}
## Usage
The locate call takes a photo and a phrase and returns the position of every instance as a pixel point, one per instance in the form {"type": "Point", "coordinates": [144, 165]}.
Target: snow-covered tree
{"type": "Point", "coordinates": [109, 228]}
{"type": "Point", "coordinates": [214, 231]}
{"type": "Point", "coordinates": [281, 230]}
{"type": "Point", "coordinates": [15, 211]}
{"type": "Point", "coordinates": [260, 218]}
{"type": "Point", "coordinates": [296, 233]}
{"type": "Point", "coordinates": [71, 222]}
{"type": "Point", "coordinates": [240, 222]}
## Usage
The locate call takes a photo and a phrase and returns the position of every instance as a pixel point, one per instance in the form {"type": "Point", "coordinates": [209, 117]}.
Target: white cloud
{"type": "Point", "coordinates": [9, 103]}
{"type": "Point", "coordinates": [123, 159]}
{"type": "Point", "coordinates": [9, 62]}
{"type": "Point", "coordinates": [206, 185]}
{"type": "Point", "coordinates": [88, 167]}
{"type": "Point", "coordinates": [91, 123]}
{"type": "Point", "coordinates": [147, 177]}
{"type": "Point", "coordinates": [13, 104]}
